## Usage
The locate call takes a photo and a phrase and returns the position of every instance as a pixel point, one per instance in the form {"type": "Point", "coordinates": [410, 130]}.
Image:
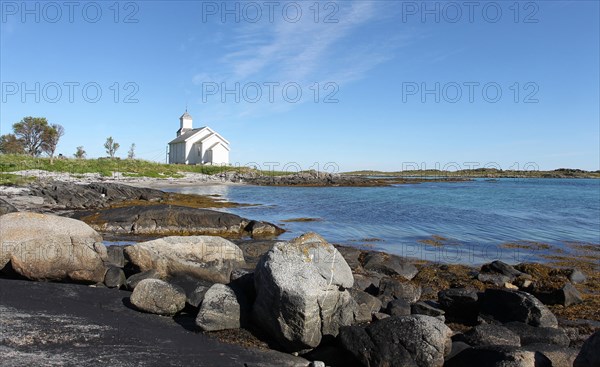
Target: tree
{"type": "Point", "coordinates": [131, 153]}
{"type": "Point", "coordinates": [111, 146]}
{"type": "Point", "coordinates": [80, 153]}
{"type": "Point", "coordinates": [32, 131]}
{"type": "Point", "coordinates": [50, 139]}
{"type": "Point", "coordinates": [10, 144]}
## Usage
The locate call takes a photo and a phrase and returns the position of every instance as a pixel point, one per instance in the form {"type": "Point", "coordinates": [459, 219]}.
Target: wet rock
{"type": "Point", "coordinates": [221, 309]}
{"type": "Point", "coordinates": [510, 305]}
{"type": "Point", "coordinates": [49, 247]}
{"type": "Point", "coordinates": [135, 279]}
{"type": "Point", "coordinates": [460, 304]}
{"type": "Point", "coordinates": [566, 296]}
{"type": "Point", "coordinates": [158, 297]}
{"type": "Point", "coordinates": [301, 292]}
{"type": "Point", "coordinates": [426, 339]}
{"type": "Point", "coordinates": [559, 356]}
{"type": "Point", "coordinates": [538, 335]}
{"type": "Point", "coordinates": [502, 268]}
{"type": "Point", "coordinates": [589, 355]}
{"type": "Point", "coordinates": [6, 207]}
{"type": "Point", "coordinates": [498, 356]}
{"type": "Point", "coordinates": [398, 307]}
{"type": "Point", "coordinates": [258, 229]}
{"type": "Point", "coordinates": [389, 264]}
{"type": "Point", "coordinates": [202, 257]}
{"type": "Point", "coordinates": [397, 289]}
{"type": "Point", "coordinates": [366, 305]}
{"type": "Point", "coordinates": [487, 334]}
{"type": "Point", "coordinates": [114, 277]}
{"type": "Point", "coordinates": [170, 220]}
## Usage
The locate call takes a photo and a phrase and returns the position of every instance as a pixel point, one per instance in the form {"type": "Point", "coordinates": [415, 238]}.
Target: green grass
{"type": "Point", "coordinates": [7, 179]}
{"type": "Point", "coordinates": [106, 167]}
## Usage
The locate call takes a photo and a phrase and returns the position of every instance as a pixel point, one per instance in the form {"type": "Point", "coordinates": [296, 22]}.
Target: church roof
{"type": "Point", "coordinates": [186, 115]}
{"type": "Point", "coordinates": [188, 134]}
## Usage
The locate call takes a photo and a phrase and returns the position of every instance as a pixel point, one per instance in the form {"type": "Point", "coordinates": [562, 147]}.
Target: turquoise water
{"type": "Point", "coordinates": [475, 217]}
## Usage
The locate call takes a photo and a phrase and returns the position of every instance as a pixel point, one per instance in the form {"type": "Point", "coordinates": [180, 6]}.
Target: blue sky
{"type": "Point", "coordinates": [372, 63]}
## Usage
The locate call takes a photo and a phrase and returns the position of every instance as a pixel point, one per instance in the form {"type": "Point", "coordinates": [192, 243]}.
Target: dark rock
{"type": "Point", "coordinates": [195, 297]}
{"type": "Point", "coordinates": [168, 220]}
{"type": "Point", "coordinates": [351, 255]}
{"type": "Point", "coordinates": [332, 355]}
{"type": "Point", "coordinates": [244, 280]}
{"type": "Point", "coordinates": [538, 335]}
{"type": "Point", "coordinates": [426, 339]}
{"type": "Point", "coordinates": [394, 288]}
{"type": "Point", "coordinates": [254, 249]}
{"type": "Point", "coordinates": [377, 316]}
{"type": "Point", "coordinates": [559, 356]}
{"type": "Point", "coordinates": [460, 304]}
{"type": "Point", "coordinates": [589, 355]}
{"type": "Point", "coordinates": [487, 334]}
{"type": "Point", "coordinates": [566, 296]}
{"type": "Point", "coordinates": [116, 256]}
{"type": "Point", "coordinates": [457, 347]}
{"type": "Point", "coordinates": [6, 207]}
{"type": "Point", "coordinates": [259, 229]}
{"type": "Point", "coordinates": [398, 307]}
{"type": "Point", "coordinates": [498, 356]}
{"type": "Point", "coordinates": [134, 280]}
{"type": "Point", "coordinates": [498, 280]}
{"type": "Point", "coordinates": [502, 268]}
{"type": "Point", "coordinates": [510, 305]}
{"type": "Point", "coordinates": [426, 308]}
{"type": "Point", "coordinates": [367, 283]}
{"type": "Point", "coordinates": [389, 264]}
{"type": "Point", "coordinates": [114, 277]}
{"type": "Point", "coordinates": [355, 340]}
{"type": "Point", "coordinates": [366, 305]}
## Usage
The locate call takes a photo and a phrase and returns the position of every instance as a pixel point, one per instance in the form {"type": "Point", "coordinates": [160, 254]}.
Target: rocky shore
{"type": "Point", "coordinates": [206, 287]}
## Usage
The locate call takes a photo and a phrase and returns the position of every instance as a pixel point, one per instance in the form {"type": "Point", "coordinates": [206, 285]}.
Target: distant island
{"type": "Point", "coordinates": [483, 173]}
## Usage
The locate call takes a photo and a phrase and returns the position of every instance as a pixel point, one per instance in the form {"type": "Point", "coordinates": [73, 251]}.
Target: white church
{"type": "Point", "coordinates": [197, 146]}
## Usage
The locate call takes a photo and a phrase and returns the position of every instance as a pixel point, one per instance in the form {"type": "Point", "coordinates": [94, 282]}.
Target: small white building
{"type": "Point", "coordinates": [197, 146]}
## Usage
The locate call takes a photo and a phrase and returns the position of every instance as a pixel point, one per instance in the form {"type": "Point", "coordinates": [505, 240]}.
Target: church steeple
{"type": "Point", "coordinates": [185, 123]}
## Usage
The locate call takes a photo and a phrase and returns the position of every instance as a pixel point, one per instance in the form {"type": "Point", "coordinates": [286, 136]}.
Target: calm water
{"type": "Point", "coordinates": [475, 216]}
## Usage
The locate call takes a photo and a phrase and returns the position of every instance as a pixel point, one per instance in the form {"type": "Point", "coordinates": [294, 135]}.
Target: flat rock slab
{"type": "Point", "coordinates": [75, 325]}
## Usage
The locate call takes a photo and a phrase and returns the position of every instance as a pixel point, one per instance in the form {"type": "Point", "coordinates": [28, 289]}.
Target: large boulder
{"type": "Point", "coordinates": [366, 304]}
{"type": "Point", "coordinates": [498, 356]}
{"type": "Point", "coordinates": [390, 288]}
{"type": "Point", "coordinates": [487, 334]}
{"type": "Point", "coordinates": [559, 356]}
{"type": "Point", "coordinates": [502, 268]}
{"type": "Point", "coordinates": [301, 292]}
{"type": "Point", "coordinates": [415, 340]}
{"type": "Point", "coordinates": [510, 305]}
{"type": "Point", "coordinates": [538, 335]}
{"type": "Point", "coordinates": [49, 247]}
{"type": "Point", "coordinates": [589, 355]}
{"type": "Point", "coordinates": [388, 264]}
{"type": "Point", "coordinates": [203, 257]}
{"type": "Point", "coordinates": [460, 304]}
{"type": "Point", "coordinates": [168, 220]}
{"type": "Point", "coordinates": [158, 297]}
{"type": "Point", "coordinates": [566, 295]}
{"type": "Point", "coordinates": [220, 309]}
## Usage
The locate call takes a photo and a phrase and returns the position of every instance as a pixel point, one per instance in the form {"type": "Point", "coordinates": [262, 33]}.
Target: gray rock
{"type": "Point", "coordinates": [538, 335]}
{"type": "Point", "coordinates": [135, 279]}
{"type": "Point", "coordinates": [426, 339]}
{"type": "Point", "coordinates": [576, 276]}
{"type": "Point", "coordinates": [493, 278]}
{"type": "Point", "coordinates": [510, 305]}
{"type": "Point", "coordinates": [158, 297]}
{"type": "Point", "coordinates": [366, 305]}
{"type": "Point", "coordinates": [426, 308]}
{"type": "Point", "coordinates": [49, 247]}
{"type": "Point", "coordinates": [388, 264]}
{"type": "Point", "coordinates": [498, 356]}
{"type": "Point", "coordinates": [367, 283]}
{"type": "Point", "coordinates": [457, 347]}
{"type": "Point", "coordinates": [301, 292]}
{"type": "Point", "coordinates": [220, 309]}
{"type": "Point", "coordinates": [589, 355]}
{"type": "Point", "coordinates": [196, 297]}
{"type": "Point", "coordinates": [116, 256]}
{"type": "Point", "coordinates": [566, 296]}
{"type": "Point", "coordinates": [460, 304]}
{"type": "Point", "coordinates": [394, 288]}
{"type": "Point", "coordinates": [202, 257]}
{"type": "Point", "coordinates": [377, 316]}
{"type": "Point", "coordinates": [351, 255]}
{"type": "Point", "coordinates": [398, 307]}
{"type": "Point", "coordinates": [487, 334]}
{"type": "Point", "coordinates": [6, 207]}
{"type": "Point", "coordinates": [114, 277]}
{"type": "Point", "coordinates": [559, 356]}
